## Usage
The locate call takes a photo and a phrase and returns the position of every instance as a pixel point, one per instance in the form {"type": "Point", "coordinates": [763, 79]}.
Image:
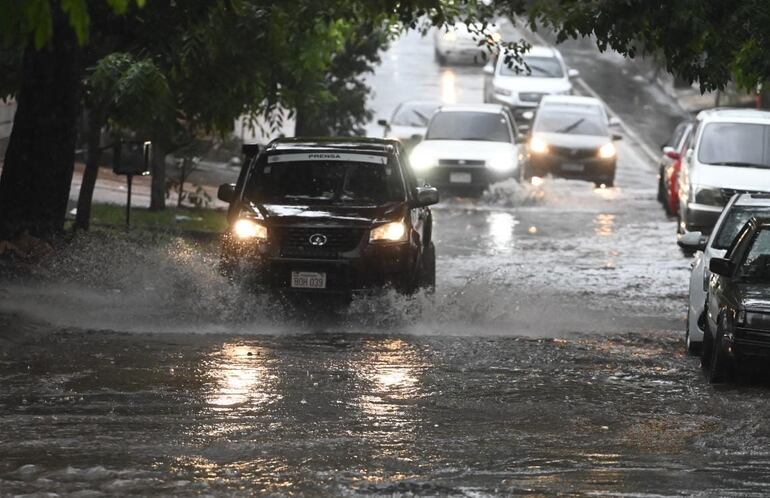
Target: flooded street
{"type": "Point", "coordinates": [549, 361]}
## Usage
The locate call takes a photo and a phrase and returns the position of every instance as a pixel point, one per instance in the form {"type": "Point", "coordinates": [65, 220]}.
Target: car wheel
{"type": "Point", "coordinates": [661, 188]}
{"type": "Point", "coordinates": [705, 359]}
{"type": "Point", "coordinates": [427, 276]}
{"type": "Point", "coordinates": [693, 348]}
{"type": "Point", "coordinates": [720, 367]}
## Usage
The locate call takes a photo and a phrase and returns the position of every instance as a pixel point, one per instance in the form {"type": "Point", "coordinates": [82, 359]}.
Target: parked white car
{"type": "Point", "coordinates": [522, 88]}
{"type": "Point", "coordinates": [738, 211]}
{"type": "Point", "coordinates": [467, 147]}
{"type": "Point", "coordinates": [459, 43]}
{"type": "Point", "coordinates": [728, 153]}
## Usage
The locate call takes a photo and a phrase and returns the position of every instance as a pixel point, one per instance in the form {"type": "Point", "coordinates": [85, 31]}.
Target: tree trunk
{"type": "Point", "coordinates": [37, 173]}
{"type": "Point", "coordinates": [158, 185]}
{"type": "Point", "coordinates": [94, 133]}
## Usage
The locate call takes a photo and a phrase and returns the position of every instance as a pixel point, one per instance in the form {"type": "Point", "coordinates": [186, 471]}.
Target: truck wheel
{"type": "Point", "coordinates": [427, 277]}
{"type": "Point", "coordinates": [720, 368]}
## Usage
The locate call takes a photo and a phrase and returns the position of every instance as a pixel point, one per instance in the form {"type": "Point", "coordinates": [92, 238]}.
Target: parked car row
{"type": "Point", "coordinates": [714, 176]}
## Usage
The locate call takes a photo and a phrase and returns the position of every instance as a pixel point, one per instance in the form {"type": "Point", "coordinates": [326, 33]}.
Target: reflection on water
{"type": "Point", "coordinates": [240, 376]}
{"type": "Point", "coordinates": [390, 375]}
{"type": "Point", "coordinates": [448, 87]}
{"type": "Point", "coordinates": [604, 224]}
{"type": "Point", "coordinates": [501, 226]}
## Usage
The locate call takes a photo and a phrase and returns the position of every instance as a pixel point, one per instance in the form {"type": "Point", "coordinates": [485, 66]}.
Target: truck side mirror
{"type": "Point", "coordinates": [226, 192]}
{"type": "Point", "coordinates": [426, 196]}
{"type": "Point", "coordinates": [721, 266]}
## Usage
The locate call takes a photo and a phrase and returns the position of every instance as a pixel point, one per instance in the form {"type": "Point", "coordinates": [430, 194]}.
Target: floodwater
{"type": "Point", "coordinates": [549, 361]}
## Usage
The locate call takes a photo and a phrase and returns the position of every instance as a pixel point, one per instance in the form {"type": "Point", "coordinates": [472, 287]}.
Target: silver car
{"type": "Point", "coordinates": [736, 213]}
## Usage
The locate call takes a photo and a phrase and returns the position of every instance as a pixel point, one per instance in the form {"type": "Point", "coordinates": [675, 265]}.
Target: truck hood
{"type": "Point", "coordinates": [732, 177]}
{"type": "Point", "coordinates": [289, 214]}
{"type": "Point", "coordinates": [466, 149]}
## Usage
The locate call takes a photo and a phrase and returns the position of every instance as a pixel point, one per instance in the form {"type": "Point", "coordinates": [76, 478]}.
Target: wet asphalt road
{"type": "Point", "coordinates": [550, 360]}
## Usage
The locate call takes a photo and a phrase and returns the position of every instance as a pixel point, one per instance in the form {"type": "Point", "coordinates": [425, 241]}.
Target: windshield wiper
{"type": "Point", "coordinates": [571, 127]}
{"type": "Point", "coordinates": [740, 163]}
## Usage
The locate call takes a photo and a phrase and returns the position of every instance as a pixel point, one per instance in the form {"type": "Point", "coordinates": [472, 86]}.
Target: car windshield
{"type": "Point", "coordinates": [735, 144]}
{"type": "Point", "coordinates": [539, 67]}
{"type": "Point", "coordinates": [734, 220]}
{"type": "Point", "coordinates": [572, 120]}
{"type": "Point", "coordinates": [462, 125]}
{"type": "Point", "coordinates": [413, 114]}
{"type": "Point", "coordinates": [756, 263]}
{"type": "Point", "coordinates": [325, 182]}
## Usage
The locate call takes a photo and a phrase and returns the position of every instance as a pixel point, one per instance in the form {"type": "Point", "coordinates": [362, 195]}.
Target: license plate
{"type": "Point", "coordinates": [460, 177]}
{"type": "Point", "coordinates": [573, 167]}
{"type": "Point", "coordinates": [308, 280]}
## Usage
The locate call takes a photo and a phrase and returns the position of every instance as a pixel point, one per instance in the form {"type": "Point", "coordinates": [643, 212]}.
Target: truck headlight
{"type": "Point", "coordinates": [246, 229]}
{"type": "Point", "coordinates": [538, 145]}
{"type": "Point", "coordinates": [708, 196]}
{"type": "Point", "coordinates": [421, 160]}
{"type": "Point", "coordinates": [607, 151]}
{"type": "Point", "coordinates": [394, 231]}
{"type": "Point", "coordinates": [501, 164]}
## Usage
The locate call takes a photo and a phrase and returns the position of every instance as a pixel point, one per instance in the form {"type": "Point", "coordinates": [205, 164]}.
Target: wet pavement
{"type": "Point", "coordinates": [549, 361]}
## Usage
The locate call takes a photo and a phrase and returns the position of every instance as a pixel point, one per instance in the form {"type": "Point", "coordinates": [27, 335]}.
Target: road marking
{"type": "Point", "coordinates": [648, 151]}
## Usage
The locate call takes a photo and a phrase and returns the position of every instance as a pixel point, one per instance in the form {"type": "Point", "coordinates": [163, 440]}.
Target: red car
{"type": "Point", "coordinates": [669, 166]}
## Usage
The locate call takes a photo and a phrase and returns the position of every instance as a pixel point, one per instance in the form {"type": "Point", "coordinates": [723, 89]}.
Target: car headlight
{"type": "Point", "coordinates": [421, 160]}
{"type": "Point", "coordinates": [708, 196]}
{"type": "Point", "coordinates": [246, 229]}
{"type": "Point", "coordinates": [503, 91]}
{"type": "Point", "coordinates": [607, 151]}
{"type": "Point", "coordinates": [501, 164]}
{"type": "Point", "coordinates": [538, 145]}
{"type": "Point", "coordinates": [395, 231]}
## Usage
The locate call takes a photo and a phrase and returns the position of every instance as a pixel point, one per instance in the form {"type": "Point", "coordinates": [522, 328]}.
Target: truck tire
{"type": "Point", "coordinates": [427, 276]}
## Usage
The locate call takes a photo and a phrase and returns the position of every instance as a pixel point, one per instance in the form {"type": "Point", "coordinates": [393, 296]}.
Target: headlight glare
{"type": "Point", "coordinates": [394, 231]}
{"type": "Point", "coordinates": [501, 164]}
{"type": "Point", "coordinates": [538, 145]}
{"type": "Point", "coordinates": [249, 229]}
{"type": "Point", "coordinates": [421, 160]}
{"type": "Point", "coordinates": [607, 151]}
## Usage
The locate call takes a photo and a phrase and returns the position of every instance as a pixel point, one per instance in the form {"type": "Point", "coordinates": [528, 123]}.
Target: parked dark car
{"type": "Point", "coordinates": [330, 215]}
{"type": "Point", "coordinates": [738, 303]}
{"type": "Point", "coordinates": [571, 137]}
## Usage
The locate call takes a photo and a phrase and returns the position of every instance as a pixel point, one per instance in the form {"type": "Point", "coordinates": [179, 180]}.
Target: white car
{"type": "Point", "coordinates": [409, 121]}
{"type": "Point", "coordinates": [734, 216]}
{"type": "Point", "coordinates": [728, 153]}
{"type": "Point", "coordinates": [460, 43]}
{"type": "Point", "coordinates": [522, 88]}
{"type": "Point", "coordinates": [467, 147]}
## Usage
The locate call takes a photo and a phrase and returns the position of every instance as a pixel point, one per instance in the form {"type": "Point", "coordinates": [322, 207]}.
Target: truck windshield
{"type": "Point", "coordinates": [325, 182]}
{"type": "Point", "coordinates": [735, 144]}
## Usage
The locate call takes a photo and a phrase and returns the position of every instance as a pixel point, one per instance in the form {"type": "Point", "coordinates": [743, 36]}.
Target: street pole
{"type": "Point", "coordinates": [129, 180]}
